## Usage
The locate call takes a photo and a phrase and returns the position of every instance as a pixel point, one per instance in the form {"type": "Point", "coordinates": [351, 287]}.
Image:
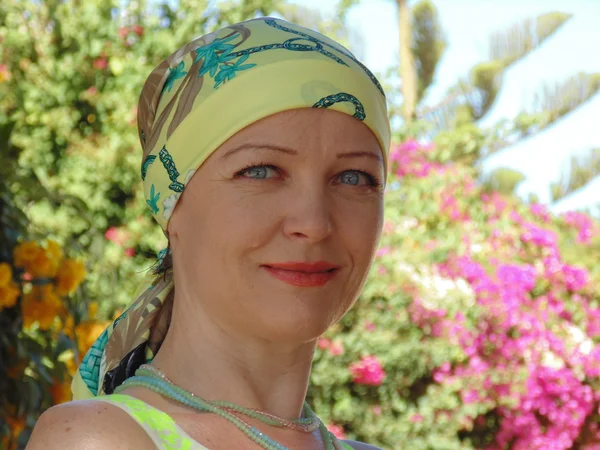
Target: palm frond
{"type": "Point", "coordinates": [580, 171]}
{"type": "Point", "coordinates": [429, 43]}
{"type": "Point", "coordinates": [479, 90]}
{"type": "Point", "coordinates": [553, 103]}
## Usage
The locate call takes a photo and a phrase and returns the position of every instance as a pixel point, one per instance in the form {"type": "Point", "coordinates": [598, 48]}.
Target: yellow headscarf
{"type": "Point", "coordinates": [194, 101]}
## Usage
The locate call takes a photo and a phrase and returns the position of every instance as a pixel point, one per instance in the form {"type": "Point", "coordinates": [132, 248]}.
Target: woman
{"type": "Point", "coordinates": [279, 137]}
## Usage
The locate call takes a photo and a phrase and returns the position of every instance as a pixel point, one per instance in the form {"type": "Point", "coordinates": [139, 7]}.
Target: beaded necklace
{"type": "Point", "coordinates": [151, 378]}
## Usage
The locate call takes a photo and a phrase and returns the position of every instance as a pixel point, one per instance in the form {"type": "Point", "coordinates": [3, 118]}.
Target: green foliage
{"type": "Point", "coordinates": [547, 24]}
{"type": "Point", "coordinates": [505, 180]}
{"type": "Point", "coordinates": [485, 79]}
{"type": "Point", "coordinates": [577, 174]}
{"type": "Point", "coordinates": [526, 124]}
{"type": "Point", "coordinates": [521, 38]}
{"type": "Point", "coordinates": [33, 362]}
{"type": "Point", "coordinates": [566, 96]}
{"type": "Point", "coordinates": [472, 97]}
{"type": "Point", "coordinates": [429, 43]}
{"type": "Point", "coordinates": [471, 100]}
{"type": "Point", "coordinates": [506, 48]}
{"type": "Point", "coordinates": [552, 104]}
{"type": "Point", "coordinates": [462, 144]}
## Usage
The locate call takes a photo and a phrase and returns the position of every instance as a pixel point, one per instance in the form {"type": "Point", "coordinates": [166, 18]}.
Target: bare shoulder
{"type": "Point", "coordinates": [360, 445]}
{"type": "Point", "coordinates": [87, 425]}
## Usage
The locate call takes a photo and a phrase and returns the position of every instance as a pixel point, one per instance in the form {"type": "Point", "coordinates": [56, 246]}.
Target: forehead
{"type": "Point", "coordinates": [306, 127]}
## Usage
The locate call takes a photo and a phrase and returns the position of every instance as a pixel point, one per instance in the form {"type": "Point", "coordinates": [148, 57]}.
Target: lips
{"type": "Point", "coordinates": [303, 274]}
{"type": "Point", "coordinates": [312, 267]}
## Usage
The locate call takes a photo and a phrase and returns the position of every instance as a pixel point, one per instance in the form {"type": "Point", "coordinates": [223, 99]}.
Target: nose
{"type": "Point", "coordinates": [308, 215]}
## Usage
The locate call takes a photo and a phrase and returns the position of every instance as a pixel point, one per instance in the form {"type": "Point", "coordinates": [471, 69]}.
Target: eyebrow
{"type": "Point", "coordinates": [289, 151]}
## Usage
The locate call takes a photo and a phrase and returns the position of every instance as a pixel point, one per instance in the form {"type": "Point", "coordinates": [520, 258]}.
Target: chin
{"type": "Point", "coordinates": [292, 315]}
{"type": "Point", "coordinates": [294, 327]}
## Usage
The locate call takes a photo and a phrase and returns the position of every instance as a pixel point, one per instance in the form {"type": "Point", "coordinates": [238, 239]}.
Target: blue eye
{"type": "Point", "coordinates": [354, 174]}
{"type": "Point", "coordinates": [351, 176]}
{"type": "Point", "coordinates": [257, 172]}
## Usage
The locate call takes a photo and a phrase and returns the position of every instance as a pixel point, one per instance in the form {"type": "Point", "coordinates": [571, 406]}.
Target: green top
{"type": "Point", "coordinates": [160, 427]}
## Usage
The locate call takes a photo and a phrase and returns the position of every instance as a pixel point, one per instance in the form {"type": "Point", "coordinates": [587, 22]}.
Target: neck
{"type": "Point", "coordinates": [217, 364]}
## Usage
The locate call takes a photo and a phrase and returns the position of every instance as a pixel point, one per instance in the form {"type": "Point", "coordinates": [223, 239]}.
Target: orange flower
{"type": "Point", "coordinates": [42, 305]}
{"type": "Point", "coordinates": [42, 266]}
{"type": "Point", "coordinates": [70, 275]}
{"type": "Point", "coordinates": [9, 295]}
{"type": "Point", "coordinates": [9, 290]}
{"type": "Point", "coordinates": [69, 326]}
{"type": "Point", "coordinates": [25, 252]}
{"type": "Point", "coordinates": [92, 310]}
{"type": "Point", "coordinates": [87, 332]}
{"type": "Point", "coordinates": [6, 274]}
{"type": "Point", "coordinates": [60, 391]}
{"type": "Point", "coordinates": [38, 261]}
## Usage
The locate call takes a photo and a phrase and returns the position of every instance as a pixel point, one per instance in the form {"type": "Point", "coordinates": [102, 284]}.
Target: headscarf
{"type": "Point", "coordinates": [190, 104]}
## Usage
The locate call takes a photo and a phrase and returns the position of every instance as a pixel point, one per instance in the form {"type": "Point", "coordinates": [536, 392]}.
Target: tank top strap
{"type": "Point", "coordinates": [159, 426]}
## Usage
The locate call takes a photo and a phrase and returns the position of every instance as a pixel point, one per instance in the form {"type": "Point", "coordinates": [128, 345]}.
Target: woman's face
{"type": "Point", "coordinates": [314, 194]}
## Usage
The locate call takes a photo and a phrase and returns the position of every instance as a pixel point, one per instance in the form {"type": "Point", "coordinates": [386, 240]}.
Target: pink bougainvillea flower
{"type": "Point", "coordinates": [323, 343]}
{"type": "Point", "coordinates": [116, 235]}
{"type": "Point", "coordinates": [583, 223]}
{"type": "Point", "coordinates": [336, 348]}
{"type": "Point", "coordinates": [382, 251]}
{"type": "Point", "coordinates": [370, 326]}
{"type": "Point", "coordinates": [540, 211]}
{"type": "Point", "coordinates": [539, 236]}
{"type": "Point", "coordinates": [416, 418]}
{"type": "Point", "coordinates": [367, 371]}
{"type": "Point", "coordinates": [337, 431]}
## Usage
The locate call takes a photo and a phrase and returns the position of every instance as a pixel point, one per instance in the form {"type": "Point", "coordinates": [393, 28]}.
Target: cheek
{"type": "Point", "coordinates": [360, 227]}
{"type": "Point", "coordinates": [233, 223]}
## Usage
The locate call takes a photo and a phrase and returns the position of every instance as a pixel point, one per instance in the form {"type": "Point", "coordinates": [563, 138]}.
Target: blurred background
{"type": "Point", "coordinates": [479, 326]}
